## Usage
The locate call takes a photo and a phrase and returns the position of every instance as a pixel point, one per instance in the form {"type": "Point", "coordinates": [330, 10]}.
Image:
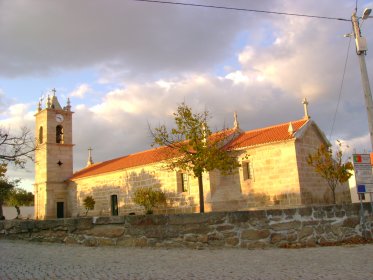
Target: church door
{"type": "Point", "coordinates": [114, 205]}
{"type": "Point", "coordinates": [60, 210]}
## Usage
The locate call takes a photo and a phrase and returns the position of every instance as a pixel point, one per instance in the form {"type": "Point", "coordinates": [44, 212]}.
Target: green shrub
{"type": "Point", "coordinates": [89, 204]}
{"type": "Point", "coordinates": [149, 198]}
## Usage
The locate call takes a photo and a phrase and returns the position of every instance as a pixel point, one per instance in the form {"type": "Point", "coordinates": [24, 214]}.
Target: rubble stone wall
{"type": "Point", "coordinates": [299, 227]}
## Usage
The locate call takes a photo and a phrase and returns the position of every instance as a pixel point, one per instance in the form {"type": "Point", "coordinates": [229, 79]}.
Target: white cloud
{"type": "Point", "coordinates": [238, 77]}
{"type": "Point", "coordinates": [81, 91]}
{"type": "Point", "coordinates": [17, 116]}
{"type": "Point", "coordinates": [246, 55]}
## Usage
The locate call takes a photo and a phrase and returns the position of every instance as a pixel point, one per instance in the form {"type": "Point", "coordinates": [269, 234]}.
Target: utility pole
{"type": "Point", "coordinates": [361, 49]}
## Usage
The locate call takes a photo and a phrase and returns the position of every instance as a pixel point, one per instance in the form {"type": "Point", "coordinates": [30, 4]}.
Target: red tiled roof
{"type": "Point", "coordinates": [249, 138]}
{"type": "Point", "coordinates": [138, 159]}
{"type": "Point", "coordinates": [266, 135]}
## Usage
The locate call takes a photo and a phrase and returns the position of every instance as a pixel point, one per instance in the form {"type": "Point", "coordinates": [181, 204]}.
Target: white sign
{"type": "Point", "coordinates": [363, 171]}
{"type": "Point", "coordinates": [361, 159]}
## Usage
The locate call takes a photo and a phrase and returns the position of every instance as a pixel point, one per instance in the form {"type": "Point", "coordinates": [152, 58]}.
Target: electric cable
{"type": "Point", "coordinates": [276, 13]}
{"type": "Point", "coordinates": [340, 89]}
{"type": "Point", "coordinates": [239, 9]}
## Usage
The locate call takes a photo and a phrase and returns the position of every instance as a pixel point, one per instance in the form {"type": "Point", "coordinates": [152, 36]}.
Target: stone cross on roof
{"type": "Point", "coordinates": [236, 125]}
{"type": "Point", "coordinates": [305, 105]}
{"type": "Point", "coordinates": [90, 161]}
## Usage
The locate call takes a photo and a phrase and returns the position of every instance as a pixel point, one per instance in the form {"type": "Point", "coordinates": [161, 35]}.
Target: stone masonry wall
{"type": "Point", "coordinates": [314, 189]}
{"type": "Point", "coordinates": [275, 179]}
{"type": "Point", "coordinates": [302, 227]}
{"type": "Point", "coordinates": [124, 182]}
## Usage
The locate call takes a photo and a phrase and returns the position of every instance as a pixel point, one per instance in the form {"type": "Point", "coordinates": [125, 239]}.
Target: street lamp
{"type": "Point", "coordinates": [361, 49]}
{"type": "Point", "coordinates": [366, 13]}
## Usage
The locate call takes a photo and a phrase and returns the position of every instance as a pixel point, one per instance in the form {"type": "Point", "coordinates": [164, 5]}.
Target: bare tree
{"type": "Point", "coordinates": [16, 148]}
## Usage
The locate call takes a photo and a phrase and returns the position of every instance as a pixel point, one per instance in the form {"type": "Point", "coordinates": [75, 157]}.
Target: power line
{"type": "Point", "coordinates": [239, 9]}
{"type": "Point", "coordinates": [340, 88]}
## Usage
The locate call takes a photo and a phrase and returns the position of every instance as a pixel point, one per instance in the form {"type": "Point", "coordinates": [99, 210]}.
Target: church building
{"type": "Point", "coordinates": [273, 172]}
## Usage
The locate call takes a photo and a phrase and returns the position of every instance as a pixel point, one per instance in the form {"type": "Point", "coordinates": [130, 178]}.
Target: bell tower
{"type": "Point", "coordinates": [53, 159]}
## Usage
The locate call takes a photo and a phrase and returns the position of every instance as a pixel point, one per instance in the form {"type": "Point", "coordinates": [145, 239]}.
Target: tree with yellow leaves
{"type": "Point", "coordinates": [331, 168]}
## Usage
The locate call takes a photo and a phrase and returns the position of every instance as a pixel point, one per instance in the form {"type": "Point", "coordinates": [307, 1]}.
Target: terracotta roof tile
{"type": "Point", "coordinates": [245, 139]}
{"type": "Point", "coordinates": [266, 135]}
{"type": "Point", "coordinates": [137, 159]}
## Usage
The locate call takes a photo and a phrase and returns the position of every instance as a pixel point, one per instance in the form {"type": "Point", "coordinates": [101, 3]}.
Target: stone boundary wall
{"type": "Point", "coordinates": [299, 227]}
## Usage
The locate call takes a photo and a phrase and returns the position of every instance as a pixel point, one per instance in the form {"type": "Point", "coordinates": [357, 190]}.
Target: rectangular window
{"type": "Point", "coordinates": [114, 205]}
{"type": "Point", "coordinates": [184, 182]}
{"type": "Point", "coordinates": [247, 170]}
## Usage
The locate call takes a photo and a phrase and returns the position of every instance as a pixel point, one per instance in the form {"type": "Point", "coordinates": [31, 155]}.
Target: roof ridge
{"type": "Point", "coordinates": [273, 126]}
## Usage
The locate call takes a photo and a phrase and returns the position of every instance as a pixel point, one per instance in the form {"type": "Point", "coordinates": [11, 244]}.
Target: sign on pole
{"type": "Point", "coordinates": [363, 173]}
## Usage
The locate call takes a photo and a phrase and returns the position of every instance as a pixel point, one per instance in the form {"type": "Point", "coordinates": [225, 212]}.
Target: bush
{"type": "Point", "coordinates": [149, 198]}
{"type": "Point", "coordinates": [89, 204]}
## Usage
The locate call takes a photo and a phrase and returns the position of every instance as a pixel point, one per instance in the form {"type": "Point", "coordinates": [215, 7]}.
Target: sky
{"type": "Point", "coordinates": [127, 65]}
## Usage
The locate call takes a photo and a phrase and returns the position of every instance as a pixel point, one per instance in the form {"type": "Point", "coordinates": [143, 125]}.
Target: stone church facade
{"type": "Point", "coordinates": [273, 172]}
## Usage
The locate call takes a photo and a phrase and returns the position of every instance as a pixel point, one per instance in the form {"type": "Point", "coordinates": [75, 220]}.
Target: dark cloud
{"type": "Point", "coordinates": [48, 36]}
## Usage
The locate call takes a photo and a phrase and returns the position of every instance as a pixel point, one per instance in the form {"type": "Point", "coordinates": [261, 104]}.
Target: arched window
{"type": "Point", "coordinates": [59, 134]}
{"type": "Point", "coordinates": [40, 135]}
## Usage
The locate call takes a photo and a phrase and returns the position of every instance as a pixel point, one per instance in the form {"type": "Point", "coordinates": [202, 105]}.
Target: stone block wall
{"type": "Point", "coordinates": [314, 189]}
{"type": "Point", "coordinates": [300, 227]}
{"type": "Point", "coordinates": [275, 179]}
{"type": "Point", "coordinates": [124, 182]}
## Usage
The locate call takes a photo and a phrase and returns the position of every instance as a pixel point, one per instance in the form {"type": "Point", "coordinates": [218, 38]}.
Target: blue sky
{"type": "Point", "coordinates": [125, 64]}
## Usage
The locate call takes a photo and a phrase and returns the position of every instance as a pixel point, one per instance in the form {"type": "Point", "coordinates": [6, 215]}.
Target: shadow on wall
{"type": "Point", "coordinates": [179, 203]}
{"type": "Point", "coordinates": [226, 192]}
{"type": "Point", "coordinates": [286, 199]}
{"type": "Point", "coordinates": [115, 197]}
{"type": "Point", "coordinates": [123, 189]}
{"type": "Point", "coordinates": [262, 200]}
{"type": "Point", "coordinates": [342, 196]}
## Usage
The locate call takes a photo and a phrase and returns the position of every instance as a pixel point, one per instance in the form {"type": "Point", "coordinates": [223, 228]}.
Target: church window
{"type": "Point", "coordinates": [247, 170]}
{"type": "Point", "coordinates": [40, 135]}
{"type": "Point", "coordinates": [114, 205]}
{"type": "Point", "coordinates": [183, 182]}
{"type": "Point", "coordinates": [59, 134]}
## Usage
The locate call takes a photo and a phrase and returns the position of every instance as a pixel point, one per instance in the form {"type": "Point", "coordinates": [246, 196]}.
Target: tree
{"type": "Point", "coordinates": [149, 198]}
{"type": "Point", "coordinates": [19, 197]}
{"type": "Point", "coordinates": [16, 148]}
{"type": "Point", "coordinates": [193, 147]}
{"type": "Point", "coordinates": [332, 169]}
{"type": "Point", "coordinates": [6, 186]}
{"type": "Point", "coordinates": [89, 204]}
